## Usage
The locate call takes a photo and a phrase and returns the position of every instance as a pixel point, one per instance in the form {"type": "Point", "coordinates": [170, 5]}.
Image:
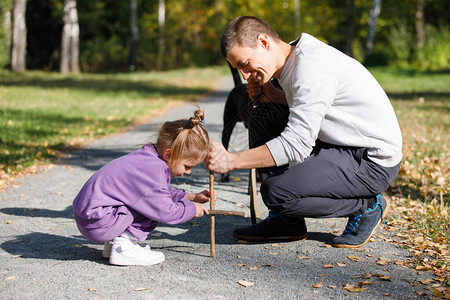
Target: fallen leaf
{"type": "Point", "coordinates": [354, 258]}
{"type": "Point", "coordinates": [385, 278]}
{"type": "Point", "coordinates": [237, 179]}
{"type": "Point", "coordinates": [92, 289]}
{"type": "Point", "coordinates": [360, 284]}
{"type": "Point", "coordinates": [10, 278]}
{"type": "Point", "coordinates": [8, 222]}
{"type": "Point", "coordinates": [424, 268]}
{"type": "Point", "coordinates": [241, 265]}
{"type": "Point", "coordinates": [303, 257]}
{"type": "Point", "coordinates": [341, 265]}
{"type": "Point", "coordinates": [332, 287]}
{"type": "Point", "coordinates": [273, 253]}
{"type": "Point", "coordinates": [426, 281]}
{"type": "Point", "coordinates": [78, 246]}
{"type": "Point", "coordinates": [351, 288]}
{"type": "Point", "coordinates": [317, 285]}
{"type": "Point", "coordinates": [437, 293]}
{"type": "Point", "coordinates": [245, 283]}
{"type": "Point", "coordinates": [242, 242]}
{"type": "Point", "coordinates": [328, 266]}
{"type": "Point", "coordinates": [253, 268]}
{"type": "Point", "coordinates": [140, 289]}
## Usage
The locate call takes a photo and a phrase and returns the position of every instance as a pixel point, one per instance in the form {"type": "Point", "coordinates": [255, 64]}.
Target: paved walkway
{"type": "Point", "coordinates": [43, 256]}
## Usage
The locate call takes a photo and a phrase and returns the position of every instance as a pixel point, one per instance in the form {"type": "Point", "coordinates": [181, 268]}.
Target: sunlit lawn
{"type": "Point", "coordinates": [43, 113]}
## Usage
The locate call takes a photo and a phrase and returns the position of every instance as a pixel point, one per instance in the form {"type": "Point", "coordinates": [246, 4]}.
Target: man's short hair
{"type": "Point", "coordinates": [244, 31]}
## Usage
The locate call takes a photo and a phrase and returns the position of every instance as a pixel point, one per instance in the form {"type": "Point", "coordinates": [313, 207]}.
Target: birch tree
{"type": "Point", "coordinates": [19, 37]}
{"type": "Point", "coordinates": [70, 39]}
{"type": "Point", "coordinates": [161, 23]}
{"type": "Point", "coordinates": [374, 14]}
{"type": "Point", "coordinates": [420, 24]}
{"type": "Point", "coordinates": [132, 61]}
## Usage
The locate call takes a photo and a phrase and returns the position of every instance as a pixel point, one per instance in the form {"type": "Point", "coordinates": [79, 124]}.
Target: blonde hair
{"type": "Point", "coordinates": [186, 138]}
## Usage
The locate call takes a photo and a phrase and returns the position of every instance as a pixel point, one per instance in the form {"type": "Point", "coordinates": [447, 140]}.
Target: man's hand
{"type": "Point", "coordinates": [219, 159]}
{"type": "Point", "coordinates": [265, 93]}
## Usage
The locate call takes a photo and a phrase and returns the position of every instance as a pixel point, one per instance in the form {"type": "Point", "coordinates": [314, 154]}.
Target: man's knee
{"type": "Point", "coordinates": [272, 195]}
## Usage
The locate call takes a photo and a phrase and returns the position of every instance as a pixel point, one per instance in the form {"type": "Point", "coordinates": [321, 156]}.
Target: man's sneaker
{"type": "Point", "coordinates": [127, 251]}
{"type": "Point", "coordinates": [360, 228]}
{"type": "Point", "coordinates": [273, 228]}
{"type": "Point", "coordinates": [106, 253]}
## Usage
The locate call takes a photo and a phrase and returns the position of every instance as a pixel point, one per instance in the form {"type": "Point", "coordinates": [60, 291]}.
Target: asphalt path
{"type": "Point", "coordinates": [43, 255]}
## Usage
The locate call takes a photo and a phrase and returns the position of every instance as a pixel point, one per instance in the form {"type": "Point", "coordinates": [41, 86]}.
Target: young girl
{"type": "Point", "coordinates": [124, 200]}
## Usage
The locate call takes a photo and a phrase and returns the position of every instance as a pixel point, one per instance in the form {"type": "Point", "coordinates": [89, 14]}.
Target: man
{"type": "Point", "coordinates": [326, 146]}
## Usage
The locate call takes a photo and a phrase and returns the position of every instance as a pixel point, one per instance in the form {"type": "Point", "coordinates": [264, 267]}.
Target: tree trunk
{"type": "Point", "coordinates": [350, 27]}
{"type": "Point", "coordinates": [132, 59]}
{"type": "Point", "coordinates": [297, 16]}
{"type": "Point", "coordinates": [420, 24]}
{"type": "Point", "coordinates": [19, 37]}
{"type": "Point", "coordinates": [161, 22]}
{"type": "Point", "coordinates": [374, 13]}
{"type": "Point", "coordinates": [70, 39]}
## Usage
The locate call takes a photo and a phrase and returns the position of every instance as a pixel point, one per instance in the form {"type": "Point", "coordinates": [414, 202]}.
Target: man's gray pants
{"type": "Point", "coordinates": [334, 181]}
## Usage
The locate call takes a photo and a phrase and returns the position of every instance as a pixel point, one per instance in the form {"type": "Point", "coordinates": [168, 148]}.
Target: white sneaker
{"type": "Point", "coordinates": [106, 253]}
{"type": "Point", "coordinates": [126, 251]}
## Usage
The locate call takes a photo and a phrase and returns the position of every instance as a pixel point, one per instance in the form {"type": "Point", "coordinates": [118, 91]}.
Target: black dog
{"type": "Point", "coordinates": [237, 109]}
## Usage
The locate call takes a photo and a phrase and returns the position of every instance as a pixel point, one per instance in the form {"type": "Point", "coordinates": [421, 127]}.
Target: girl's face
{"type": "Point", "coordinates": [182, 166]}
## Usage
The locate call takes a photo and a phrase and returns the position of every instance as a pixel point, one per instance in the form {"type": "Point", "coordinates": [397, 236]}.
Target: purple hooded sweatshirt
{"type": "Point", "coordinates": [133, 193]}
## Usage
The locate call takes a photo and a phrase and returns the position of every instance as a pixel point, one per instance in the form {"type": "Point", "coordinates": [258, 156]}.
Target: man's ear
{"type": "Point", "coordinates": [166, 155]}
{"type": "Point", "coordinates": [263, 41]}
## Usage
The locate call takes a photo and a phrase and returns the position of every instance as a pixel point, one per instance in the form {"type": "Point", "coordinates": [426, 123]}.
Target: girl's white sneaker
{"type": "Point", "coordinates": [127, 251]}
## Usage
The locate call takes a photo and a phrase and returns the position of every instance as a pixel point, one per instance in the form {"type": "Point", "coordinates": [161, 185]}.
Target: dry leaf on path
{"type": "Point", "coordinates": [10, 278]}
{"type": "Point", "coordinates": [245, 283]}
{"type": "Point", "coordinates": [352, 288]}
{"type": "Point", "coordinates": [317, 285]}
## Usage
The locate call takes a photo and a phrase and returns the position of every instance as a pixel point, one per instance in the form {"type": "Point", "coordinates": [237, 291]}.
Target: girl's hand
{"type": "Point", "coordinates": [202, 197]}
{"type": "Point", "coordinates": [200, 210]}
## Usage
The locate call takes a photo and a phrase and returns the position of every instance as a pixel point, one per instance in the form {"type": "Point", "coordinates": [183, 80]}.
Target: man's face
{"type": "Point", "coordinates": [255, 64]}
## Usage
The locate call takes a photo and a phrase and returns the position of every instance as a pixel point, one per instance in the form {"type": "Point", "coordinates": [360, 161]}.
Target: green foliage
{"type": "Point", "coordinates": [193, 30]}
{"type": "Point", "coordinates": [435, 55]}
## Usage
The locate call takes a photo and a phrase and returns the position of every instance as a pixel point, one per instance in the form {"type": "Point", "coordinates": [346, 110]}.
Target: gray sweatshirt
{"type": "Point", "coordinates": [334, 98]}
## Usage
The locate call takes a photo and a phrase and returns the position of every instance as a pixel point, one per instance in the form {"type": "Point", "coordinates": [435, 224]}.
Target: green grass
{"type": "Point", "coordinates": [44, 113]}
{"type": "Point", "coordinates": [422, 104]}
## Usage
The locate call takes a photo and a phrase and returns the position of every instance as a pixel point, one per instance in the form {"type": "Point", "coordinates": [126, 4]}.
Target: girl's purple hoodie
{"type": "Point", "coordinates": [133, 193]}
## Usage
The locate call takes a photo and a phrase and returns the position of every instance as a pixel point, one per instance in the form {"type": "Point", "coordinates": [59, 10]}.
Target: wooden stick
{"type": "Point", "coordinates": [212, 218]}
{"type": "Point", "coordinates": [227, 213]}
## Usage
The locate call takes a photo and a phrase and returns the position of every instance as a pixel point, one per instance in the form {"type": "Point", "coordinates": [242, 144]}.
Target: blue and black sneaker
{"type": "Point", "coordinates": [360, 228]}
{"type": "Point", "coordinates": [273, 228]}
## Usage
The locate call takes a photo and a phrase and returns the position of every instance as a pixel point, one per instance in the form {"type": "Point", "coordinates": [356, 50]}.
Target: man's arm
{"type": "Point", "coordinates": [221, 161]}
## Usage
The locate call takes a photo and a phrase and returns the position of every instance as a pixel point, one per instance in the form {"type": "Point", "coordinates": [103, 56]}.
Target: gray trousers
{"type": "Point", "coordinates": [334, 181]}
